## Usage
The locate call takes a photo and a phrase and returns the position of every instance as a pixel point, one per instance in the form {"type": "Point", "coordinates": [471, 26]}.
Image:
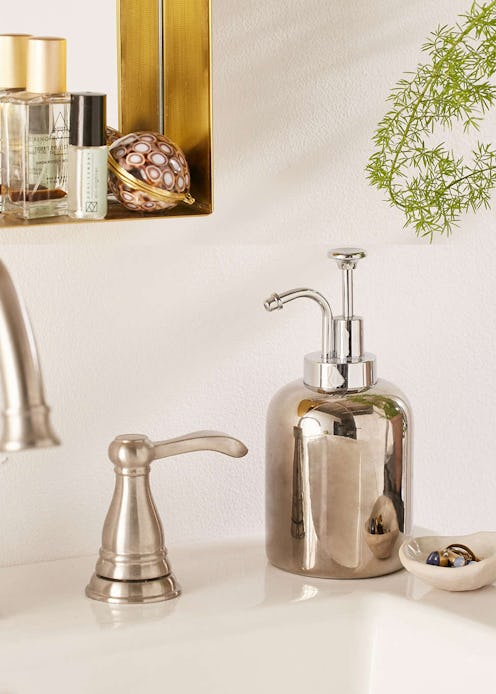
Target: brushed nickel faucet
{"type": "Point", "coordinates": [26, 422]}
{"type": "Point", "coordinates": [132, 566]}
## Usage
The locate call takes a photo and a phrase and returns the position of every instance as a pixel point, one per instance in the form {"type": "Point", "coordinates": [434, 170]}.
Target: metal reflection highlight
{"type": "Point", "coordinates": [26, 422]}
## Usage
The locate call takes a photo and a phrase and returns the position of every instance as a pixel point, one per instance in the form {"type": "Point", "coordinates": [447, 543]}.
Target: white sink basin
{"type": "Point", "coordinates": [242, 626]}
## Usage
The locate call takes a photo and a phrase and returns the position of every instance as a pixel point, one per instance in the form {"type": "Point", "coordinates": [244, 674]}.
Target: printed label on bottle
{"type": "Point", "coordinates": [47, 149]}
{"type": "Point", "coordinates": [46, 160]}
{"type": "Point", "coordinates": [88, 182]}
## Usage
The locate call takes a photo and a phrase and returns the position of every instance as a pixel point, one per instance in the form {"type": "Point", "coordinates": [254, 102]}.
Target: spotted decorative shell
{"type": "Point", "coordinates": [111, 135]}
{"type": "Point", "coordinates": [154, 159]}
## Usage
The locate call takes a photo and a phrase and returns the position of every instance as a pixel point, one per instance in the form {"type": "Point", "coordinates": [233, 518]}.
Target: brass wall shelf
{"type": "Point", "coordinates": [164, 83]}
{"type": "Point", "coordinates": [116, 213]}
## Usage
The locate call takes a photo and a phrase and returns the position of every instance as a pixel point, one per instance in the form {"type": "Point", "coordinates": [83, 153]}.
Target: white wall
{"type": "Point", "coordinates": [158, 327]}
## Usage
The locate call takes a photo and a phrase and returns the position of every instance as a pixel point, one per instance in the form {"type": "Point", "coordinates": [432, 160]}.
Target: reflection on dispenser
{"type": "Point", "coordinates": [348, 468]}
{"type": "Point", "coordinates": [297, 520]}
{"type": "Point", "coordinates": [381, 529]}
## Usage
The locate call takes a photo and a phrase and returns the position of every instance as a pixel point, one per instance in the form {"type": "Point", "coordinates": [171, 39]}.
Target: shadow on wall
{"type": "Point", "coordinates": [286, 57]}
{"type": "Point", "coordinates": [300, 87]}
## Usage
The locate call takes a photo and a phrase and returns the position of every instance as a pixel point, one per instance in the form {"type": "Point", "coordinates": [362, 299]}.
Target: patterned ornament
{"type": "Point", "coordinates": [148, 172]}
{"type": "Point", "coordinates": [111, 135]}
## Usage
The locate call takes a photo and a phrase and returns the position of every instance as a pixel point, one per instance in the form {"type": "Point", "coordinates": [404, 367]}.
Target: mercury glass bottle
{"type": "Point", "coordinates": [13, 57]}
{"type": "Point", "coordinates": [36, 135]}
{"type": "Point", "coordinates": [338, 453]}
{"type": "Point", "coordinates": [88, 157]}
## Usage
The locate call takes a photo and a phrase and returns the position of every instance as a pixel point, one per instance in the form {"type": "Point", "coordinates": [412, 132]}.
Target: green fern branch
{"type": "Point", "coordinates": [429, 182]}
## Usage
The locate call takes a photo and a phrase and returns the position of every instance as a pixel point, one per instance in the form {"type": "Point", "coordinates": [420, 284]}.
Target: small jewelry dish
{"type": "Point", "coordinates": [415, 550]}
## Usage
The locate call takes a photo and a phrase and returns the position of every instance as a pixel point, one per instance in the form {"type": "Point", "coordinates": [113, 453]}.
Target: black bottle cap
{"type": "Point", "coordinates": [88, 119]}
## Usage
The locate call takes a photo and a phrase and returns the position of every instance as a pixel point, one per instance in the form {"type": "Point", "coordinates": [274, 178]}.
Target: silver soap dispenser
{"type": "Point", "coordinates": [338, 453]}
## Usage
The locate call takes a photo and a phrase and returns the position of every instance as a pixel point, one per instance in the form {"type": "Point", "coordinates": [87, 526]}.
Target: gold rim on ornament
{"type": "Point", "coordinates": [155, 193]}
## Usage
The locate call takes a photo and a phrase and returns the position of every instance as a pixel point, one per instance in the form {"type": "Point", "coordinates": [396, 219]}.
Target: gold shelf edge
{"type": "Point", "coordinates": [117, 213]}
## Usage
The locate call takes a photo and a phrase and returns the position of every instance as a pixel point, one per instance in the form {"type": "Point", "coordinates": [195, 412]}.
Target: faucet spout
{"type": "Point", "coordinates": [26, 422]}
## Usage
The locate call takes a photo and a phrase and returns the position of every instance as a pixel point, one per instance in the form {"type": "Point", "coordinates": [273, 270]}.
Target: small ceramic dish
{"type": "Point", "coordinates": [415, 550]}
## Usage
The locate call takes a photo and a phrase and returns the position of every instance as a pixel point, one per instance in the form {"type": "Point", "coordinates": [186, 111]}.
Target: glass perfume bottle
{"type": "Point", "coordinates": [13, 56]}
{"type": "Point", "coordinates": [87, 157]}
{"type": "Point", "coordinates": [36, 135]}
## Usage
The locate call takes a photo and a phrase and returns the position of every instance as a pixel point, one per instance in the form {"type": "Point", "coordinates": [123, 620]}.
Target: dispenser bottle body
{"type": "Point", "coordinates": [337, 480]}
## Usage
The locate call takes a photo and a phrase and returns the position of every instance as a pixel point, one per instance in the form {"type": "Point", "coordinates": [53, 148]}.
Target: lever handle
{"type": "Point", "coordinates": [200, 441]}
{"type": "Point", "coordinates": [135, 451]}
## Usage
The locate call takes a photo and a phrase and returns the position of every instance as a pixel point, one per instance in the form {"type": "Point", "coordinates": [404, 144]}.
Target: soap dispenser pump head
{"type": "Point", "coordinates": [348, 328]}
{"type": "Point", "coordinates": [347, 259]}
{"type": "Point", "coordinates": [341, 365]}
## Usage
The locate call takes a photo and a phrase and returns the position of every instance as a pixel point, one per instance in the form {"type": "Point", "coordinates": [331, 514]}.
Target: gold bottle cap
{"type": "Point", "coordinates": [46, 65]}
{"type": "Point", "coordinates": [13, 60]}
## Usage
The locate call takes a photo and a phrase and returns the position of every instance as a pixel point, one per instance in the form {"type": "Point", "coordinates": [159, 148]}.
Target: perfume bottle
{"type": "Point", "coordinates": [87, 156]}
{"type": "Point", "coordinates": [13, 56]}
{"type": "Point", "coordinates": [36, 135]}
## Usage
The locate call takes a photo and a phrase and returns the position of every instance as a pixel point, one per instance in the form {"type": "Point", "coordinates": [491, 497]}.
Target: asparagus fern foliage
{"type": "Point", "coordinates": [427, 181]}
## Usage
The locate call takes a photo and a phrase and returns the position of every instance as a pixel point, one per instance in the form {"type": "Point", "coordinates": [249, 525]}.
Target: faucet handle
{"type": "Point", "coordinates": [201, 441]}
{"type": "Point", "coordinates": [137, 451]}
{"type": "Point", "coordinates": [132, 566]}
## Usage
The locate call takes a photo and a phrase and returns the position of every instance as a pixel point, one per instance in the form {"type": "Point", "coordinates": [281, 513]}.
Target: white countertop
{"type": "Point", "coordinates": [240, 625]}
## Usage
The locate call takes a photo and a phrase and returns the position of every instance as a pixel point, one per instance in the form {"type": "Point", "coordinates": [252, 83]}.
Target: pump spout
{"type": "Point", "coordinates": [26, 415]}
{"type": "Point", "coordinates": [277, 301]}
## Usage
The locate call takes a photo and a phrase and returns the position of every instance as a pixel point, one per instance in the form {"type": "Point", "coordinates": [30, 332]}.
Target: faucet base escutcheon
{"type": "Point", "coordinates": [133, 592]}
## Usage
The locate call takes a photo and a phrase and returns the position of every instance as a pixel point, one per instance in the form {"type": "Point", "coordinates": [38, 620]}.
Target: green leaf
{"type": "Point", "coordinates": [432, 185]}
